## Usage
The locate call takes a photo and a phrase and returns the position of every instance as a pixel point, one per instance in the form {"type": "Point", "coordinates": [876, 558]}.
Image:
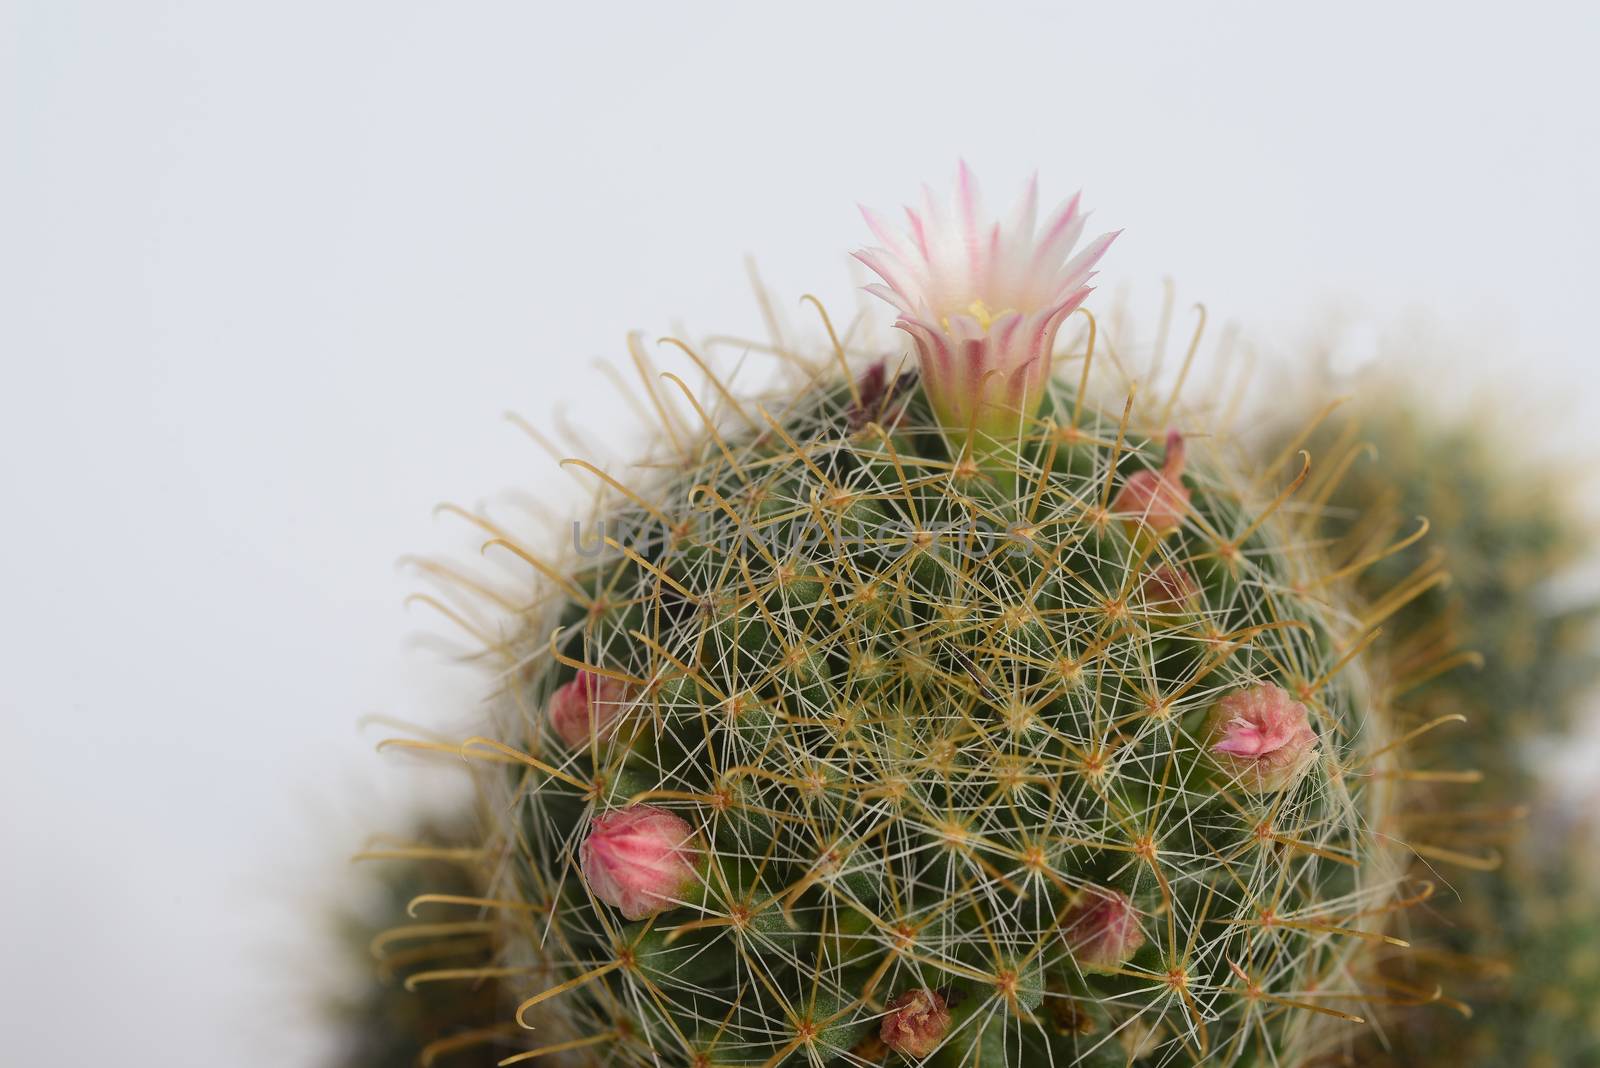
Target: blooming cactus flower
{"type": "Point", "coordinates": [1262, 736]}
{"type": "Point", "coordinates": [982, 300]}
{"type": "Point", "coordinates": [1157, 500]}
{"type": "Point", "coordinates": [1102, 929]}
{"type": "Point", "coordinates": [588, 706]}
{"type": "Point", "coordinates": [642, 860]}
{"type": "Point", "coordinates": [916, 1023]}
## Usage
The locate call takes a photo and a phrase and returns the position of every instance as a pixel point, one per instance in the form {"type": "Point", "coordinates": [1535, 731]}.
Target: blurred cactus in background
{"type": "Point", "coordinates": [955, 707]}
{"type": "Point", "coordinates": [1515, 924]}
{"type": "Point", "coordinates": [381, 1022]}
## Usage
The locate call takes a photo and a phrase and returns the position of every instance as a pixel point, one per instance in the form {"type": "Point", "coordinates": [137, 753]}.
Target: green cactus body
{"type": "Point", "coordinates": [921, 721]}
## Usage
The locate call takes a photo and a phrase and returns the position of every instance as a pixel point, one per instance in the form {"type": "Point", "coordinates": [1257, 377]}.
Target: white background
{"type": "Point", "coordinates": [270, 273]}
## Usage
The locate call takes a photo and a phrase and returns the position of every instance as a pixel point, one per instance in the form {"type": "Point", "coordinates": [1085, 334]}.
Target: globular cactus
{"type": "Point", "coordinates": [1516, 934]}
{"type": "Point", "coordinates": [928, 710]}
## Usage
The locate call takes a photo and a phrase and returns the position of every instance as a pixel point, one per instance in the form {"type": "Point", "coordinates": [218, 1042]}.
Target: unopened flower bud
{"type": "Point", "coordinates": [1168, 590]}
{"type": "Point", "coordinates": [1157, 500]}
{"type": "Point", "coordinates": [1263, 737]}
{"type": "Point", "coordinates": [589, 706]}
{"type": "Point", "coordinates": [872, 394]}
{"type": "Point", "coordinates": [640, 860]}
{"type": "Point", "coordinates": [1102, 929]}
{"type": "Point", "coordinates": [916, 1023]}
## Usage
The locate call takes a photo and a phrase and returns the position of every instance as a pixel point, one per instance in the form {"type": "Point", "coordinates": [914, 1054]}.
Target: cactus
{"type": "Point", "coordinates": [1517, 930]}
{"type": "Point", "coordinates": [938, 711]}
{"type": "Point", "coordinates": [381, 1022]}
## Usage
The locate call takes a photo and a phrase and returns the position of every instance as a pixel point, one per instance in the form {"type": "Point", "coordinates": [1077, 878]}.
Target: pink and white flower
{"type": "Point", "coordinates": [1263, 737]}
{"type": "Point", "coordinates": [641, 860]}
{"type": "Point", "coordinates": [982, 300]}
{"type": "Point", "coordinates": [916, 1023]}
{"type": "Point", "coordinates": [1102, 929]}
{"type": "Point", "coordinates": [589, 706]}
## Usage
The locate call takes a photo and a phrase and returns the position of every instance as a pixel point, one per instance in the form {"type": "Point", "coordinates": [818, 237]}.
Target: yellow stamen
{"type": "Point", "coordinates": [979, 311]}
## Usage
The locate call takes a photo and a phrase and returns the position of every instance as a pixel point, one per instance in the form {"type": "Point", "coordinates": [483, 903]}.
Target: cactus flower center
{"type": "Point", "coordinates": [979, 311]}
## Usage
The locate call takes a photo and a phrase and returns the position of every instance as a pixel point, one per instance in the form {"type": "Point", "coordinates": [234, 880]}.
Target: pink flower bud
{"type": "Point", "coordinates": [876, 397]}
{"type": "Point", "coordinates": [640, 860]}
{"type": "Point", "coordinates": [1169, 589]}
{"type": "Point", "coordinates": [588, 706]}
{"type": "Point", "coordinates": [916, 1023]}
{"type": "Point", "coordinates": [1102, 929]}
{"type": "Point", "coordinates": [869, 390]}
{"type": "Point", "coordinates": [1263, 737]}
{"type": "Point", "coordinates": [1156, 499]}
